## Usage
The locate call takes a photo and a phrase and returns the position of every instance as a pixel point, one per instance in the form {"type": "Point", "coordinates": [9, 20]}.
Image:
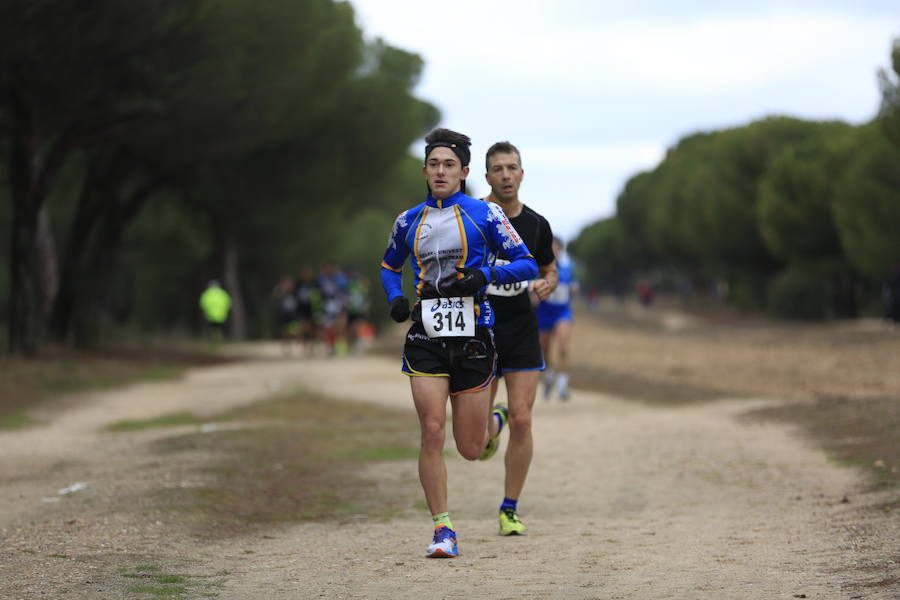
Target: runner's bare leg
{"type": "Point", "coordinates": [430, 399]}
{"type": "Point", "coordinates": [521, 391]}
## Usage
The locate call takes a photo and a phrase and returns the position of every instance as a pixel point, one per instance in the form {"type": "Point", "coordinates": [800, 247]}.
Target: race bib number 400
{"type": "Point", "coordinates": [449, 317]}
{"type": "Point", "coordinates": [506, 289]}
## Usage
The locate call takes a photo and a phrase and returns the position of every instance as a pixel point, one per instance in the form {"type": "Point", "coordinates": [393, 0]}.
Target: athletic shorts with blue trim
{"type": "Point", "coordinates": [469, 362]}
{"type": "Point", "coordinates": [548, 315]}
{"type": "Point", "coordinates": [518, 344]}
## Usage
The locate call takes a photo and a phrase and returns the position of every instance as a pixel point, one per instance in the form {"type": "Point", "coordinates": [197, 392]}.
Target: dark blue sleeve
{"type": "Point", "coordinates": [392, 282]}
{"type": "Point", "coordinates": [520, 269]}
{"type": "Point", "coordinates": [394, 257]}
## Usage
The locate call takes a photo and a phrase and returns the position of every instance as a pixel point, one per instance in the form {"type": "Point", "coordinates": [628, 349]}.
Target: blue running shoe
{"type": "Point", "coordinates": [444, 544]}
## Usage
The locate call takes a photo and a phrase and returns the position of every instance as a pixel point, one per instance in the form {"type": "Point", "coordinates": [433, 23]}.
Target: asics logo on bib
{"type": "Point", "coordinates": [446, 303]}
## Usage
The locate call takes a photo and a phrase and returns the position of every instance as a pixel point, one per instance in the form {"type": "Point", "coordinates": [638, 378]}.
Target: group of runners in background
{"type": "Point", "coordinates": [327, 309]}
{"type": "Point", "coordinates": [480, 267]}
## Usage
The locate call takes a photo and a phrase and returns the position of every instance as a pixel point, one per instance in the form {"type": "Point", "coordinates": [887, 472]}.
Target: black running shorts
{"type": "Point", "coordinates": [469, 362]}
{"type": "Point", "coordinates": [518, 344]}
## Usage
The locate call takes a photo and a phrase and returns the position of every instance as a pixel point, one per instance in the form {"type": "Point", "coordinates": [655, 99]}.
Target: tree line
{"type": "Point", "coordinates": [799, 218]}
{"type": "Point", "coordinates": [149, 146]}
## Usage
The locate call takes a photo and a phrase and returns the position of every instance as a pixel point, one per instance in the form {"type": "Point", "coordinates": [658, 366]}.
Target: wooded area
{"type": "Point", "coordinates": [148, 147]}
{"type": "Point", "coordinates": [798, 218]}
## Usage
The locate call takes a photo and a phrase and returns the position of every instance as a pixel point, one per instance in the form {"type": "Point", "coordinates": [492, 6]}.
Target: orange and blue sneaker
{"type": "Point", "coordinates": [502, 413]}
{"type": "Point", "coordinates": [444, 544]}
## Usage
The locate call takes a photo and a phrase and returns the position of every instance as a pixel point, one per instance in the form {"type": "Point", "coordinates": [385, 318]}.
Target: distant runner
{"type": "Point", "coordinates": [215, 303]}
{"type": "Point", "coordinates": [555, 322]}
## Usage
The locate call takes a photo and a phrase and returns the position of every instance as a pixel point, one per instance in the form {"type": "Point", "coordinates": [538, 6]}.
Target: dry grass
{"type": "Point", "coordinates": [839, 382]}
{"type": "Point", "coordinates": [295, 458]}
{"type": "Point", "coordinates": [29, 382]}
{"type": "Point", "coordinates": [861, 433]}
{"type": "Point", "coordinates": [291, 458]}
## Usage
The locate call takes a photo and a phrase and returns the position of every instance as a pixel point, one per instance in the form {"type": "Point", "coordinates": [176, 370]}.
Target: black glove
{"type": "Point", "coordinates": [472, 281]}
{"type": "Point", "coordinates": [428, 291]}
{"type": "Point", "coordinates": [400, 309]}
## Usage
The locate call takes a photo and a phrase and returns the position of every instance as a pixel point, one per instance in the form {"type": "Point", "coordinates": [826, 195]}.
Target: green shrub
{"type": "Point", "coordinates": [799, 292]}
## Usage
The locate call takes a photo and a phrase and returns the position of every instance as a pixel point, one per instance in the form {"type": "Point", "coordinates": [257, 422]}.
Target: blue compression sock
{"type": "Point", "coordinates": [509, 503]}
{"type": "Point", "coordinates": [499, 423]}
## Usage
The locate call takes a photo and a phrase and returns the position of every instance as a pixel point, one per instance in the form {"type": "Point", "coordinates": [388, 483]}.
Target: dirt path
{"type": "Point", "coordinates": [625, 500]}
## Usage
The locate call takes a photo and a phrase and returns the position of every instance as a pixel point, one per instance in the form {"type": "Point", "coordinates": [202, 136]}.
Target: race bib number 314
{"type": "Point", "coordinates": [449, 317]}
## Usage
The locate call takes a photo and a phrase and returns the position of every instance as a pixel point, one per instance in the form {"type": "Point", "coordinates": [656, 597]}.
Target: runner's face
{"type": "Point", "coordinates": [444, 173]}
{"type": "Point", "coordinates": [504, 175]}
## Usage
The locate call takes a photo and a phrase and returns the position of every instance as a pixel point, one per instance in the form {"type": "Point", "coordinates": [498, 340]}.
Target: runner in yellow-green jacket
{"type": "Point", "coordinates": [215, 303]}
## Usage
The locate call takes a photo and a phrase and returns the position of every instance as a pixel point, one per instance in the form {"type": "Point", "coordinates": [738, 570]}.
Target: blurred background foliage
{"type": "Point", "coordinates": [147, 147]}
{"type": "Point", "coordinates": [796, 218]}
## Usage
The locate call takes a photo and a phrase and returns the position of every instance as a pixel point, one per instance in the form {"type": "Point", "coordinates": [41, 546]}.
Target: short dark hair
{"type": "Point", "coordinates": [505, 148]}
{"type": "Point", "coordinates": [459, 143]}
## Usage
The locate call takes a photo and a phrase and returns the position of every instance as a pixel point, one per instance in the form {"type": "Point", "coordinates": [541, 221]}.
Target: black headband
{"type": "Point", "coordinates": [461, 151]}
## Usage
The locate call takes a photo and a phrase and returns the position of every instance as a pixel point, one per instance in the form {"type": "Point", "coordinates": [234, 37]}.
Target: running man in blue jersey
{"type": "Point", "coordinates": [452, 242]}
{"type": "Point", "coordinates": [555, 323]}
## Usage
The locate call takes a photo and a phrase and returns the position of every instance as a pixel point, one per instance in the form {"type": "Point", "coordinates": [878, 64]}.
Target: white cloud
{"type": "Point", "coordinates": [596, 156]}
{"type": "Point", "coordinates": [593, 92]}
{"type": "Point", "coordinates": [697, 56]}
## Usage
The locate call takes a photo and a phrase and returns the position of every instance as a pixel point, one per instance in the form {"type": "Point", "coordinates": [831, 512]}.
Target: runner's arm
{"type": "Point", "coordinates": [519, 269]}
{"type": "Point", "coordinates": [392, 282]}
{"type": "Point", "coordinates": [546, 282]}
{"type": "Point", "coordinates": [394, 256]}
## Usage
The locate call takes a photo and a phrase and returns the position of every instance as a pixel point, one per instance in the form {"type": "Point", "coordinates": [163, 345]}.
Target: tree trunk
{"type": "Point", "coordinates": [844, 301]}
{"type": "Point", "coordinates": [32, 170]}
{"type": "Point", "coordinates": [24, 312]}
{"type": "Point", "coordinates": [238, 316]}
{"type": "Point", "coordinates": [115, 215]}
{"type": "Point", "coordinates": [81, 230]}
{"type": "Point", "coordinates": [48, 274]}
{"type": "Point", "coordinates": [96, 231]}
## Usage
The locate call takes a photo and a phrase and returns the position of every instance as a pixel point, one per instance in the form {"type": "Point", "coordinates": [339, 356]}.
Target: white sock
{"type": "Point", "coordinates": [562, 381]}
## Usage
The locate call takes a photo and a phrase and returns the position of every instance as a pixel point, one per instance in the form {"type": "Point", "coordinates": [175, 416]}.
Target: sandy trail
{"type": "Point", "coordinates": [624, 500]}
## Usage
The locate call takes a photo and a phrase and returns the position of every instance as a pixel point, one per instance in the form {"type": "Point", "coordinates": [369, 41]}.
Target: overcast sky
{"type": "Point", "coordinates": [593, 92]}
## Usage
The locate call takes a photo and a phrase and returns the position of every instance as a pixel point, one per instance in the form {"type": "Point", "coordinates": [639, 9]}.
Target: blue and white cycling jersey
{"type": "Point", "coordinates": [460, 231]}
{"type": "Point", "coordinates": [562, 295]}
{"type": "Point", "coordinates": [557, 307]}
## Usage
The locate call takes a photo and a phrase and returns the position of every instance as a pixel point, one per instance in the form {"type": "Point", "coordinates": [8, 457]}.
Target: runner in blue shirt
{"type": "Point", "coordinates": [555, 324]}
{"type": "Point", "coordinates": [452, 242]}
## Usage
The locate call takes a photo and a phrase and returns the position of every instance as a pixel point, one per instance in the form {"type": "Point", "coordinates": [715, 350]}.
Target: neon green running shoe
{"type": "Point", "coordinates": [490, 449]}
{"type": "Point", "coordinates": [510, 523]}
